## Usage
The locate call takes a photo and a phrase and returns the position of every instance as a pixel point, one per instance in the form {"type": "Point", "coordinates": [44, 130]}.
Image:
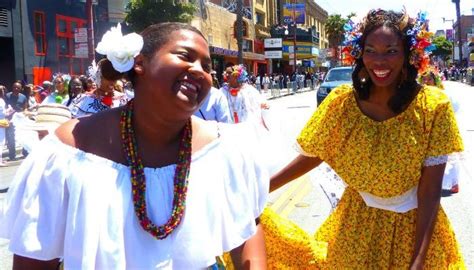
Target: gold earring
{"type": "Point", "coordinates": [363, 75]}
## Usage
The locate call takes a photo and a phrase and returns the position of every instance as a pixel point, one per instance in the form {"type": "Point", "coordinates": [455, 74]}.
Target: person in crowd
{"type": "Point", "coordinates": [4, 123]}
{"type": "Point", "coordinates": [245, 102]}
{"type": "Point", "coordinates": [174, 192]}
{"type": "Point", "coordinates": [29, 93]}
{"type": "Point", "coordinates": [44, 91]}
{"type": "Point", "coordinates": [266, 81]}
{"type": "Point", "coordinates": [59, 93]}
{"type": "Point", "coordinates": [258, 83]}
{"type": "Point", "coordinates": [118, 86]}
{"type": "Point", "coordinates": [18, 103]}
{"type": "Point", "coordinates": [76, 88]}
{"type": "Point", "coordinates": [91, 86]}
{"type": "Point", "coordinates": [215, 80]}
{"type": "Point", "coordinates": [214, 107]}
{"type": "Point", "coordinates": [104, 97]}
{"type": "Point", "coordinates": [388, 138]}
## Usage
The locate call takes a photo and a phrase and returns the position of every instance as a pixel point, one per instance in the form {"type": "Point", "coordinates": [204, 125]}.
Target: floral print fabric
{"type": "Point", "coordinates": [381, 158]}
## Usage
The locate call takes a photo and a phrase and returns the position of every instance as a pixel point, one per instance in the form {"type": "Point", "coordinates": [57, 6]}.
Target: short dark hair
{"type": "Point", "coordinates": [154, 37]}
{"type": "Point", "coordinates": [409, 87]}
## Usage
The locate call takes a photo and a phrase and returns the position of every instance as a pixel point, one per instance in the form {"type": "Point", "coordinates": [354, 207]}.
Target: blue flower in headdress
{"type": "Point", "coordinates": [430, 48]}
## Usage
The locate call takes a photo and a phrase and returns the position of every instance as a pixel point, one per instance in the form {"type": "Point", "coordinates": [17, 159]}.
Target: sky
{"type": "Point", "coordinates": [436, 9]}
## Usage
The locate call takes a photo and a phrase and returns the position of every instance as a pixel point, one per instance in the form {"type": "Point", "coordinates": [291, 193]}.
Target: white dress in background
{"type": "Point", "coordinates": [66, 203]}
{"type": "Point", "coordinates": [2, 130]}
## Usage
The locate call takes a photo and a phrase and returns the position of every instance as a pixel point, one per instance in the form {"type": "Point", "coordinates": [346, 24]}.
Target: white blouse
{"type": "Point", "coordinates": [66, 203]}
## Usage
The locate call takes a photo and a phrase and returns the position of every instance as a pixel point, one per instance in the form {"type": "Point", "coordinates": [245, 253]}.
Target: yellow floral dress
{"type": "Point", "coordinates": [384, 159]}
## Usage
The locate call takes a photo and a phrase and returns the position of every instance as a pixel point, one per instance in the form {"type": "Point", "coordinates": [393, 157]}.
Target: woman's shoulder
{"type": "Point", "coordinates": [431, 97]}
{"type": "Point", "coordinates": [94, 134]}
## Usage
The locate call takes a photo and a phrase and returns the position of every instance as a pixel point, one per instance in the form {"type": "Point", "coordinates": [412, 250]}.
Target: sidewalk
{"type": "Point", "coordinates": [273, 93]}
{"type": "Point", "coordinates": [19, 156]}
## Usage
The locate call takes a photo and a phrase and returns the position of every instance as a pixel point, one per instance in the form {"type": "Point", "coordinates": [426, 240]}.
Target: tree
{"type": "Point", "coordinates": [142, 13]}
{"type": "Point", "coordinates": [444, 47]}
{"type": "Point", "coordinates": [335, 29]}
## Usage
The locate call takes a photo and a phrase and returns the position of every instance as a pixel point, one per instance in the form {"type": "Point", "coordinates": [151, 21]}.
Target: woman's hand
{"type": "Point", "coordinates": [252, 254]}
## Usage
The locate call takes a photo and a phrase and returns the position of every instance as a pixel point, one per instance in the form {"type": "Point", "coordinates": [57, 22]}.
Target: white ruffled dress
{"type": "Point", "coordinates": [66, 203]}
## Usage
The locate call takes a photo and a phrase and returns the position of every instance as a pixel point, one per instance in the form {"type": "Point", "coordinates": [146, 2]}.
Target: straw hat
{"type": "Point", "coordinates": [49, 117]}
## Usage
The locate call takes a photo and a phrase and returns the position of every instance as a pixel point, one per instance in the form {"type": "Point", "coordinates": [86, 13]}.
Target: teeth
{"type": "Point", "coordinates": [189, 86]}
{"type": "Point", "coordinates": [381, 73]}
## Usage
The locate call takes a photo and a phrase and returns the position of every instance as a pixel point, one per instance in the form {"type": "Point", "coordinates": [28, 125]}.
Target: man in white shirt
{"type": "Point", "coordinates": [215, 107]}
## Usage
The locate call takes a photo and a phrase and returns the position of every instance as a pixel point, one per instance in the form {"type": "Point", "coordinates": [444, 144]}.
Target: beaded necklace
{"type": "Point", "coordinates": [138, 176]}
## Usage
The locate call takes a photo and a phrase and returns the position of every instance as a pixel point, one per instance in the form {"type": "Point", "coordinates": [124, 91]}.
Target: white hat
{"type": "Point", "coordinates": [49, 117]}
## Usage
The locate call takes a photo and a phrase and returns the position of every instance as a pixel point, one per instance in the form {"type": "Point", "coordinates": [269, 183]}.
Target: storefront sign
{"type": "Point", "coordinates": [222, 51]}
{"type": "Point", "coordinates": [294, 12]}
{"type": "Point", "coordinates": [273, 43]}
{"type": "Point", "coordinates": [273, 54]}
{"type": "Point", "coordinates": [253, 56]}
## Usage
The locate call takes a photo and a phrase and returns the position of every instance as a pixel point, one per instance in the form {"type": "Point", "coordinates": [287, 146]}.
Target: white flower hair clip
{"type": "Point", "coordinates": [120, 49]}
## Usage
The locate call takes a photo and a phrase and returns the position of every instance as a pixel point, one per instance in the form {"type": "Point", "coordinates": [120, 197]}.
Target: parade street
{"type": "Point", "coordinates": [309, 200]}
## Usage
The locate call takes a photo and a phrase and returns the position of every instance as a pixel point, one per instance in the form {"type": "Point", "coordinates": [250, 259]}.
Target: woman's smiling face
{"type": "Point", "coordinates": [383, 57]}
{"type": "Point", "coordinates": [177, 76]}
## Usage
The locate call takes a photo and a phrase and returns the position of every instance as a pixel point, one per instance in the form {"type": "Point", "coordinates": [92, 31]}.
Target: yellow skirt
{"type": "Point", "coordinates": [357, 237]}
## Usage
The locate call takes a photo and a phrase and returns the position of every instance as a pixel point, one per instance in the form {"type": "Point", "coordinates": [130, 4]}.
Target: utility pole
{"type": "Point", "coordinates": [458, 17]}
{"type": "Point", "coordinates": [90, 29]}
{"type": "Point", "coordinates": [294, 35]}
{"type": "Point", "coordinates": [239, 31]}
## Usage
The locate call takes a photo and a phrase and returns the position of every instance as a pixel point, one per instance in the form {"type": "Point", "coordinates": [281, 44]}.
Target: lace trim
{"type": "Point", "coordinates": [300, 150]}
{"type": "Point", "coordinates": [433, 161]}
{"type": "Point", "coordinates": [454, 157]}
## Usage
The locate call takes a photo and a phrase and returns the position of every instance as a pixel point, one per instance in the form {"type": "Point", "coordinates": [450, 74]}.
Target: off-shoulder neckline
{"type": "Point", "coordinates": [99, 159]}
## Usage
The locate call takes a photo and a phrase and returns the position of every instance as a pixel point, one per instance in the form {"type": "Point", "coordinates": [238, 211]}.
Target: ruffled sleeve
{"type": "Point", "coordinates": [33, 217]}
{"type": "Point", "coordinates": [444, 136]}
{"type": "Point", "coordinates": [317, 139]}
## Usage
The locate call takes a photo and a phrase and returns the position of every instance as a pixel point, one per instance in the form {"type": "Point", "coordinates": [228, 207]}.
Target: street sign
{"type": "Point", "coordinates": [80, 35]}
{"type": "Point", "coordinates": [81, 50]}
{"type": "Point", "coordinates": [273, 54]}
{"type": "Point", "coordinates": [273, 43]}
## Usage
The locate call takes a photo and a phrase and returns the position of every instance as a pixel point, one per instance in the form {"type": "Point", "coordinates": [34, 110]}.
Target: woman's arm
{"type": "Point", "coordinates": [252, 254]}
{"type": "Point", "coordinates": [299, 166]}
{"type": "Point", "coordinates": [20, 263]}
{"type": "Point", "coordinates": [429, 196]}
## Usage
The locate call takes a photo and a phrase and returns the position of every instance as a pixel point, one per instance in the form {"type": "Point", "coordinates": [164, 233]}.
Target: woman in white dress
{"type": "Point", "coordinates": [104, 97]}
{"type": "Point", "coordinates": [245, 102]}
{"type": "Point", "coordinates": [3, 109]}
{"type": "Point", "coordinates": [146, 185]}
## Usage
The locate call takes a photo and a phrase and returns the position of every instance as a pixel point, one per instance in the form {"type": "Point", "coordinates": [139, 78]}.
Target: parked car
{"type": "Point", "coordinates": [334, 77]}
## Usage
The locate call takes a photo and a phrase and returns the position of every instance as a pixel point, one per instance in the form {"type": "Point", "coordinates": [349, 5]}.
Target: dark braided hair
{"type": "Point", "coordinates": [154, 37]}
{"type": "Point", "coordinates": [398, 23]}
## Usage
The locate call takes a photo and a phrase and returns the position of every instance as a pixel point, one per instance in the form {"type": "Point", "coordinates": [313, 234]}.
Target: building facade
{"type": "Point", "coordinates": [41, 38]}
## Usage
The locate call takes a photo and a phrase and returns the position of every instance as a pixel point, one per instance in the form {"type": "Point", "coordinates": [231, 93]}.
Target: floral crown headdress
{"type": "Point", "coordinates": [240, 72]}
{"type": "Point", "coordinates": [431, 73]}
{"type": "Point", "coordinates": [119, 49]}
{"type": "Point", "coordinates": [415, 30]}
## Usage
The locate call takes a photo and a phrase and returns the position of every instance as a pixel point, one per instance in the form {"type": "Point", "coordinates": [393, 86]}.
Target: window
{"type": "Point", "coordinates": [245, 28]}
{"type": "Point", "coordinates": [260, 18]}
{"type": "Point", "coordinates": [40, 33]}
{"type": "Point", "coordinates": [68, 62]}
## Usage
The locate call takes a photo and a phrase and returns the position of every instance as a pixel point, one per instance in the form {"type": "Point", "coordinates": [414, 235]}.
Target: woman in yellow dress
{"type": "Point", "coordinates": [388, 138]}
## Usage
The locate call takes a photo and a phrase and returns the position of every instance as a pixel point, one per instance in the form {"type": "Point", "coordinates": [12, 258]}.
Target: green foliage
{"type": "Point", "coordinates": [142, 13]}
{"type": "Point", "coordinates": [335, 28]}
{"type": "Point", "coordinates": [444, 47]}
